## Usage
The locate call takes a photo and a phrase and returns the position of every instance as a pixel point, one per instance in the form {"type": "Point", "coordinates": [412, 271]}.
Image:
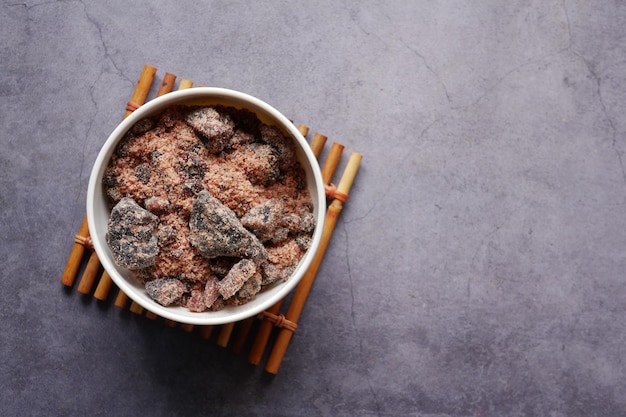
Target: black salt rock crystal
{"type": "Point", "coordinates": [283, 148]}
{"type": "Point", "coordinates": [273, 273]}
{"type": "Point", "coordinates": [214, 127]}
{"type": "Point", "coordinates": [215, 230]}
{"type": "Point", "coordinates": [264, 220]}
{"type": "Point", "coordinates": [130, 235]}
{"type": "Point", "coordinates": [165, 291]}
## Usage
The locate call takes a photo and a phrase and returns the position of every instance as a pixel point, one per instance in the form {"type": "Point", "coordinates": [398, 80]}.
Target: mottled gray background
{"type": "Point", "coordinates": [477, 270]}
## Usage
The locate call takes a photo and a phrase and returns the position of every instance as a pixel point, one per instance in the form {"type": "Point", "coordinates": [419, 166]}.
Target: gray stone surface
{"type": "Point", "coordinates": [477, 270]}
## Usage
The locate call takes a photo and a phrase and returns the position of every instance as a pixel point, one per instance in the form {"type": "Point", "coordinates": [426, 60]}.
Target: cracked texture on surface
{"type": "Point", "coordinates": [476, 270]}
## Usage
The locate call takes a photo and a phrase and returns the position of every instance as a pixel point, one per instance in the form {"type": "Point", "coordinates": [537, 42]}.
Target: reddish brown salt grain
{"type": "Point", "coordinates": [286, 254]}
{"type": "Point", "coordinates": [211, 291]}
{"type": "Point", "coordinates": [236, 277]}
{"type": "Point", "coordinates": [195, 302]}
{"type": "Point", "coordinates": [259, 162]}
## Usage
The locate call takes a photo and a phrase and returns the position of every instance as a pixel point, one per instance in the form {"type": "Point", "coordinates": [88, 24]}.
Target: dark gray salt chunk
{"type": "Point", "coordinates": [216, 128]}
{"type": "Point", "coordinates": [307, 223]}
{"type": "Point", "coordinates": [273, 273]}
{"type": "Point", "coordinates": [130, 235]}
{"type": "Point", "coordinates": [142, 126]}
{"type": "Point", "coordinates": [264, 220]}
{"type": "Point", "coordinates": [215, 230]}
{"type": "Point", "coordinates": [165, 291]}
{"type": "Point", "coordinates": [283, 146]}
{"type": "Point", "coordinates": [303, 242]}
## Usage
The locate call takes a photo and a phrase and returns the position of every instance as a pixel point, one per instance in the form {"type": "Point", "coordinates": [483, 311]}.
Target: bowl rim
{"type": "Point", "coordinates": [189, 97]}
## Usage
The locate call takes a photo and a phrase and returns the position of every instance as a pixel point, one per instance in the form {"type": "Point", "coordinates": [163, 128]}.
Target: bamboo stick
{"type": "Point", "coordinates": [136, 308]}
{"type": "Point", "coordinates": [241, 335]}
{"type": "Point", "coordinates": [121, 300]}
{"type": "Point", "coordinates": [76, 256]}
{"type": "Point", "coordinates": [167, 84]}
{"type": "Point", "coordinates": [303, 129]}
{"type": "Point", "coordinates": [262, 336]}
{"type": "Point", "coordinates": [104, 286]}
{"type": "Point", "coordinates": [141, 90]}
{"type": "Point", "coordinates": [184, 84]}
{"type": "Point", "coordinates": [187, 327]}
{"type": "Point", "coordinates": [304, 287]}
{"type": "Point", "coordinates": [89, 274]}
{"type": "Point", "coordinates": [205, 331]}
{"type": "Point", "coordinates": [332, 160]}
{"type": "Point", "coordinates": [317, 144]}
{"type": "Point", "coordinates": [224, 336]}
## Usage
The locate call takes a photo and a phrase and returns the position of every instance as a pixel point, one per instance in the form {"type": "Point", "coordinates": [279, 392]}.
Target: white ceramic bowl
{"type": "Point", "coordinates": [98, 208]}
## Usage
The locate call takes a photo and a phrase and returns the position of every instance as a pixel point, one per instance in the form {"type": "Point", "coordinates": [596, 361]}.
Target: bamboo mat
{"type": "Point", "coordinates": [251, 337]}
